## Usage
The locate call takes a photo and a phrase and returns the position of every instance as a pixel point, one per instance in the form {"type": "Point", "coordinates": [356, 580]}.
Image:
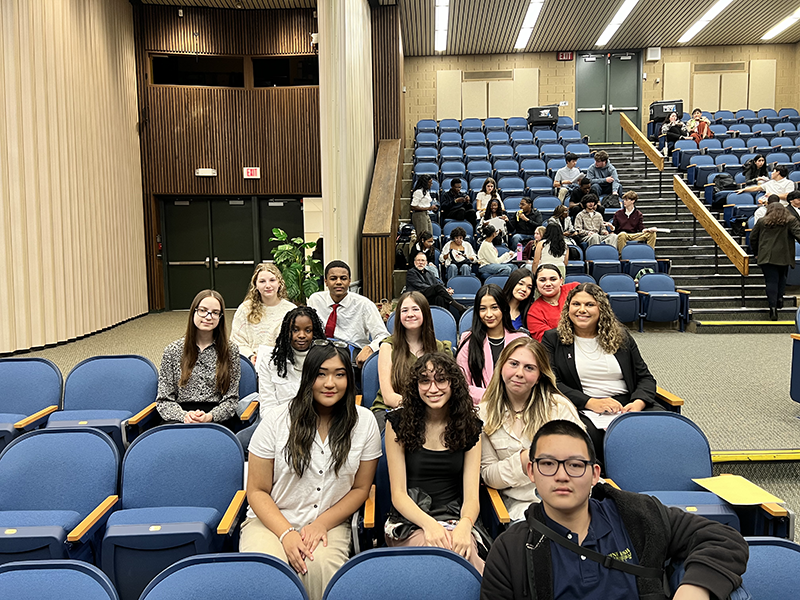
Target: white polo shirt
{"type": "Point", "coordinates": [302, 500]}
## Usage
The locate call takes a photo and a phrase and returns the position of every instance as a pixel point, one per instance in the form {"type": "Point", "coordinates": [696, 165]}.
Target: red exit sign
{"type": "Point", "coordinates": [564, 56]}
{"type": "Point", "coordinates": [252, 172]}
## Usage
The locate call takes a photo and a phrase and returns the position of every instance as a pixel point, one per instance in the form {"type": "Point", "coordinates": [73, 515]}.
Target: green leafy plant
{"type": "Point", "coordinates": [301, 273]}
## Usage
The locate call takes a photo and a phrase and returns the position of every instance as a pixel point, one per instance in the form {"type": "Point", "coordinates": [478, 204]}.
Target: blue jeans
{"type": "Point", "coordinates": [453, 270]}
{"type": "Point", "coordinates": [604, 189]}
{"type": "Point", "coordinates": [519, 238]}
{"type": "Point", "coordinates": [504, 269]}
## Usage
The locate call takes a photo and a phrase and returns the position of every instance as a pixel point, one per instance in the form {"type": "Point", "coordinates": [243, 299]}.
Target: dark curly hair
{"type": "Point", "coordinates": [283, 351]}
{"type": "Point", "coordinates": [463, 425]}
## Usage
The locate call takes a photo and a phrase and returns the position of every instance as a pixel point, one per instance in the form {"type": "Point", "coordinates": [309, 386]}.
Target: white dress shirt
{"type": "Point", "coordinates": [303, 499]}
{"type": "Point", "coordinates": [272, 388]}
{"type": "Point", "coordinates": [358, 321]}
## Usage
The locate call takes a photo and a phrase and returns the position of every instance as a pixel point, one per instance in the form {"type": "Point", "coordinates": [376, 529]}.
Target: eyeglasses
{"type": "Point", "coordinates": [204, 312]}
{"type": "Point", "coordinates": [441, 382]}
{"type": "Point", "coordinates": [334, 343]}
{"type": "Point", "coordinates": [574, 467]}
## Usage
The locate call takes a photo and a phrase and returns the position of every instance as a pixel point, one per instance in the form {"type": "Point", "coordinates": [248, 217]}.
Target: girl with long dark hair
{"type": "Point", "coordinates": [755, 170]}
{"type": "Point", "coordinates": [480, 347]}
{"type": "Point", "coordinates": [488, 192]}
{"type": "Point", "coordinates": [312, 462]}
{"type": "Point", "coordinates": [518, 291]}
{"type": "Point", "coordinates": [421, 203]}
{"type": "Point", "coordinates": [552, 249]}
{"type": "Point", "coordinates": [199, 378]}
{"type": "Point", "coordinates": [433, 453]}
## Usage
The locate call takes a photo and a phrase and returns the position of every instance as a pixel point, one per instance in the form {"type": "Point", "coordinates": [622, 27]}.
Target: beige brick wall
{"type": "Point", "coordinates": [556, 80]}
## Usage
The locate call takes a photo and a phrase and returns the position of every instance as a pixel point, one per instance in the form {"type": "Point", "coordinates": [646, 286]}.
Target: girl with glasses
{"type": "Point", "coordinates": [199, 378]}
{"type": "Point", "coordinates": [433, 452]}
{"type": "Point", "coordinates": [312, 462]}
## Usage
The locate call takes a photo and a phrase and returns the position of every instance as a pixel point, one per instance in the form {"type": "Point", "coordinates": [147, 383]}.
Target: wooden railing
{"type": "Point", "coordinates": [721, 237]}
{"type": "Point", "coordinates": [650, 151]}
{"type": "Point", "coordinates": [380, 222]}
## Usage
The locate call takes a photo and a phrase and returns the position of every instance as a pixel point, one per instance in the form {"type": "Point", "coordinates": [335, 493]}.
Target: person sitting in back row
{"type": "Point", "coordinates": [490, 262]}
{"type": "Point", "coordinates": [622, 527]}
{"type": "Point", "coordinates": [456, 204]}
{"type": "Point", "coordinates": [779, 184]}
{"type": "Point", "coordinates": [523, 223]}
{"type": "Point", "coordinates": [567, 178]}
{"type": "Point", "coordinates": [603, 176]}
{"type": "Point", "coordinates": [421, 279]}
{"type": "Point", "coordinates": [628, 223]}
{"type": "Point", "coordinates": [583, 189]}
{"type": "Point", "coordinates": [348, 316]}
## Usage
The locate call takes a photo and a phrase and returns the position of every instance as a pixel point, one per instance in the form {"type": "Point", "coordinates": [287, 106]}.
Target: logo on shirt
{"type": "Point", "coordinates": [623, 555]}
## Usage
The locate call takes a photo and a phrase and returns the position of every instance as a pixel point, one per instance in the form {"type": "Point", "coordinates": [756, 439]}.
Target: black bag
{"type": "Point", "coordinates": [405, 239]}
{"type": "Point", "coordinates": [724, 181]}
{"type": "Point", "coordinates": [611, 201]}
{"type": "Point", "coordinates": [738, 226]}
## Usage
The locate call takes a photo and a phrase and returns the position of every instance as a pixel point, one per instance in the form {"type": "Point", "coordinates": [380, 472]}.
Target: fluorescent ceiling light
{"type": "Point", "coordinates": [783, 25]}
{"type": "Point", "coordinates": [442, 15]}
{"type": "Point", "coordinates": [618, 19]}
{"type": "Point", "coordinates": [531, 16]}
{"type": "Point", "coordinates": [712, 12]}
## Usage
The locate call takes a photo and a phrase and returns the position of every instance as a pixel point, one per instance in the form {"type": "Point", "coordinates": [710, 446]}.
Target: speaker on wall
{"type": "Point", "coordinates": [653, 54]}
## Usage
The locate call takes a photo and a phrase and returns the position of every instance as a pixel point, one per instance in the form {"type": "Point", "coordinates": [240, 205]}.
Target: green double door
{"type": "Point", "coordinates": [607, 84]}
{"type": "Point", "coordinates": [216, 242]}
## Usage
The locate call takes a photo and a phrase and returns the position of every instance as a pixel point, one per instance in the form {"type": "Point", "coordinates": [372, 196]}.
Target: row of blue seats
{"type": "Point", "coordinates": [685, 149]}
{"type": "Point", "coordinates": [726, 118]}
{"type": "Point", "coordinates": [448, 153]}
{"type": "Point", "coordinates": [507, 186]}
{"type": "Point", "coordinates": [476, 138]}
{"type": "Point", "coordinates": [702, 167]}
{"type": "Point", "coordinates": [490, 124]}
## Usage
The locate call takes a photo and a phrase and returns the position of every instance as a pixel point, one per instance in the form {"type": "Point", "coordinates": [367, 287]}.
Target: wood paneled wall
{"type": "Point", "coordinates": [186, 127]}
{"type": "Point", "coordinates": [387, 73]}
{"type": "Point", "coordinates": [71, 253]}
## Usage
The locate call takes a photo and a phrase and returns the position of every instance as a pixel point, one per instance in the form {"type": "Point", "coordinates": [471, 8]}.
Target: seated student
{"type": "Point", "coordinates": [480, 347]}
{"type": "Point", "coordinates": [583, 189]}
{"type": "Point", "coordinates": [424, 244]}
{"type": "Point", "coordinates": [596, 361]}
{"type": "Point", "coordinates": [628, 222]}
{"type": "Point", "coordinates": [421, 203]}
{"type": "Point", "coordinates": [518, 291]}
{"type": "Point", "coordinates": [412, 337]}
{"type": "Point", "coordinates": [603, 176]}
{"type": "Point", "coordinates": [590, 227]}
{"type": "Point", "coordinates": [488, 192]}
{"type": "Point", "coordinates": [456, 204]}
{"type": "Point", "coordinates": [521, 397]}
{"type": "Point", "coordinates": [552, 249]}
{"type": "Point", "coordinates": [567, 178]}
{"type": "Point", "coordinates": [754, 170]}
{"type": "Point", "coordinates": [523, 223]}
{"type": "Point", "coordinates": [312, 462]}
{"type": "Point", "coordinates": [562, 219]}
{"type": "Point", "coordinates": [348, 316]}
{"type": "Point", "coordinates": [494, 214]}
{"type": "Point", "coordinates": [778, 184]}
{"type": "Point", "coordinates": [258, 319]}
{"type": "Point", "coordinates": [634, 528]}
{"type": "Point", "coordinates": [699, 127]}
{"type": "Point", "coordinates": [458, 255]}
{"type": "Point", "coordinates": [490, 262]}
{"type": "Point", "coordinates": [420, 279]}
{"type": "Point", "coordinates": [199, 378]}
{"type": "Point", "coordinates": [761, 211]}
{"type": "Point", "coordinates": [675, 130]}
{"type": "Point", "coordinates": [433, 450]}
{"type": "Point", "coordinates": [545, 311]}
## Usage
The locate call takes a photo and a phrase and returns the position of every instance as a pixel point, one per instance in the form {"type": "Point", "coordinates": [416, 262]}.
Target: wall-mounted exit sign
{"type": "Point", "coordinates": [252, 172]}
{"type": "Point", "coordinates": [564, 56]}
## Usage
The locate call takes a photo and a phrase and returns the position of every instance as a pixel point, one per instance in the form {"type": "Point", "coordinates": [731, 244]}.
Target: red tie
{"type": "Point", "coordinates": [330, 326]}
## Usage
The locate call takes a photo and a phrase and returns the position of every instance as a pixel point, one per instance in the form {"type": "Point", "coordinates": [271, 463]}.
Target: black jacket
{"type": "Point", "coordinates": [714, 555]}
{"type": "Point", "coordinates": [775, 245]}
{"type": "Point", "coordinates": [641, 383]}
{"type": "Point", "coordinates": [517, 225]}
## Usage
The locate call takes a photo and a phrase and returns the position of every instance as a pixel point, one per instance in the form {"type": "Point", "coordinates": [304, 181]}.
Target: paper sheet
{"type": "Point", "coordinates": [737, 490]}
{"type": "Point", "coordinates": [600, 421]}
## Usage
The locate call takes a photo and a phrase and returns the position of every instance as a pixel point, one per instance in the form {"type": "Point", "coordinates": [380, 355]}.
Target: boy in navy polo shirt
{"type": "Point", "coordinates": [632, 528]}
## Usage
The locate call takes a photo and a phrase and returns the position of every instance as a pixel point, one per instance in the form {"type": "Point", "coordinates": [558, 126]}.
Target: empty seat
{"type": "Point", "coordinates": [479, 168]}
{"type": "Point", "coordinates": [747, 116]}
{"type": "Point", "coordinates": [449, 125]}
{"type": "Point", "coordinates": [369, 376]}
{"type": "Point", "coordinates": [550, 151]}
{"type": "Point", "coordinates": [602, 259]}
{"type": "Point", "coordinates": [692, 172]}
{"type": "Point", "coordinates": [426, 139]}
{"type": "Point", "coordinates": [521, 137]}
{"type": "Point", "coordinates": [539, 186]}
{"type": "Point", "coordinates": [453, 169]}
{"type": "Point", "coordinates": [546, 205]}
{"type": "Point", "coordinates": [451, 153]}
{"type": "Point", "coordinates": [784, 144]}
{"type": "Point", "coordinates": [501, 152]}
{"type": "Point", "coordinates": [545, 136]}
{"type": "Point", "coordinates": [579, 150]}
{"type": "Point", "coordinates": [584, 163]}
{"type": "Point", "coordinates": [621, 291]}
{"type": "Point", "coordinates": [426, 168]}
{"type": "Point", "coordinates": [506, 168]}
{"type": "Point", "coordinates": [769, 115]}
{"type": "Point", "coordinates": [773, 569]}
{"type": "Point", "coordinates": [527, 152]}
{"type": "Point", "coordinates": [474, 138]}
{"type": "Point", "coordinates": [725, 117]}
{"type": "Point", "coordinates": [564, 123]}
{"type": "Point", "coordinates": [579, 278]}
{"type": "Point", "coordinates": [661, 302]}
{"type": "Point", "coordinates": [471, 125]}
{"type": "Point", "coordinates": [517, 124]}
{"type": "Point", "coordinates": [511, 186]}
{"type": "Point", "coordinates": [494, 124]}
{"type": "Point", "coordinates": [497, 137]}
{"type": "Point", "coordinates": [635, 257]}
{"type": "Point", "coordinates": [54, 580]}
{"type": "Point", "coordinates": [450, 138]}
{"type": "Point", "coordinates": [533, 166]}
{"type": "Point", "coordinates": [425, 154]}
{"type": "Point", "coordinates": [31, 390]}
{"type": "Point", "coordinates": [476, 153]}
{"type": "Point", "coordinates": [512, 204]}
{"type": "Point", "coordinates": [426, 126]}
{"type": "Point", "coordinates": [464, 287]}
{"type": "Point", "coordinates": [741, 204]}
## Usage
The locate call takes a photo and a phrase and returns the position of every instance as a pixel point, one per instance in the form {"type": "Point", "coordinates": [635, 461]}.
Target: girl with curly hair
{"type": "Point", "coordinates": [312, 462]}
{"type": "Point", "coordinates": [521, 397]}
{"type": "Point", "coordinates": [596, 361]}
{"type": "Point", "coordinates": [433, 451]}
{"type": "Point", "coordinates": [258, 319]}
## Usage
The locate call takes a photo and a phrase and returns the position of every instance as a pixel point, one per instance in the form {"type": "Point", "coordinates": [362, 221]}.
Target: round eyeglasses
{"type": "Point", "coordinates": [574, 467]}
{"type": "Point", "coordinates": [204, 312]}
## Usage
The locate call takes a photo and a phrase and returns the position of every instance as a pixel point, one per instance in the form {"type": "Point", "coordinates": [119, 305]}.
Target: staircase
{"type": "Point", "coordinates": [715, 284]}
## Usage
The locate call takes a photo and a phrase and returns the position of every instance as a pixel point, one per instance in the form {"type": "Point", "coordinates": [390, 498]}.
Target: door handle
{"type": "Point", "coordinates": [218, 262]}
{"type": "Point", "coordinates": [601, 110]}
{"type": "Point", "coordinates": [208, 266]}
{"type": "Point", "coordinates": [190, 263]}
{"type": "Point", "coordinates": [621, 108]}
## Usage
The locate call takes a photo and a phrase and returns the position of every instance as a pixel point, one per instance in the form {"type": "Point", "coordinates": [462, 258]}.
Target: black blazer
{"type": "Point", "coordinates": [640, 382]}
{"type": "Point", "coordinates": [794, 212]}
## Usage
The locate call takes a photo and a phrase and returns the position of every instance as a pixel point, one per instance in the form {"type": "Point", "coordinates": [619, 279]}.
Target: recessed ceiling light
{"type": "Point", "coordinates": [712, 12]}
{"type": "Point", "coordinates": [783, 25]}
{"type": "Point", "coordinates": [618, 19]}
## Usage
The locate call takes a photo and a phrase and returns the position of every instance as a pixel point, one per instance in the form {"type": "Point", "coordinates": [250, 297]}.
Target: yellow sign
{"type": "Point", "coordinates": [10, 531]}
{"type": "Point", "coordinates": [737, 490]}
{"type": "Point", "coordinates": [155, 528]}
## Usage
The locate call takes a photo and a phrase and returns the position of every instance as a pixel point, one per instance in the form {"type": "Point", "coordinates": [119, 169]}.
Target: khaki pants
{"type": "Point", "coordinates": [648, 236]}
{"type": "Point", "coordinates": [563, 192]}
{"type": "Point", "coordinates": [327, 559]}
{"type": "Point", "coordinates": [417, 539]}
{"type": "Point", "coordinates": [422, 222]}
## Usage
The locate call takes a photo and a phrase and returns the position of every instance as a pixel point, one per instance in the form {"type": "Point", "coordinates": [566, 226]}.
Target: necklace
{"type": "Point", "coordinates": [499, 342]}
{"type": "Point", "coordinates": [518, 413]}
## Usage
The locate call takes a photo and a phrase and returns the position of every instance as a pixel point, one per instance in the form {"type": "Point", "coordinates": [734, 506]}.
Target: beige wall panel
{"type": "Point", "coordinates": [705, 91]}
{"type": "Point", "coordinates": [501, 99]}
{"type": "Point", "coordinates": [762, 84]}
{"type": "Point", "coordinates": [526, 91]}
{"type": "Point", "coordinates": [677, 80]}
{"type": "Point", "coordinates": [448, 96]}
{"type": "Point", "coordinates": [733, 91]}
{"type": "Point", "coordinates": [474, 100]}
{"type": "Point", "coordinates": [71, 221]}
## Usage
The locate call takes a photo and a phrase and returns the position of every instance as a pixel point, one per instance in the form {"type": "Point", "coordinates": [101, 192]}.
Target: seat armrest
{"type": "Point", "coordinates": [796, 336]}
{"type": "Point", "coordinates": [498, 505]}
{"type": "Point", "coordinates": [680, 291]}
{"type": "Point", "coordinates": [250, 412]}
{"type": "Point", "coordinates": [36, 420]}
{"type": "Point", "coordinates": [611, 482]}
{"type": "Point", "coordinates": [230, 518]}
{"type": "Point", "coordinates": [668, 398]}
{"type": "Point", "coordinates": [641, 293]}
{"type": "Point", "coordinates": [142, 414]}
{"type": "Point", "coordinates": [359, 398]}
{"type": "Point", "coordinates": [93, 521]}
{"type": "Point", "coordinates": [369, 509]}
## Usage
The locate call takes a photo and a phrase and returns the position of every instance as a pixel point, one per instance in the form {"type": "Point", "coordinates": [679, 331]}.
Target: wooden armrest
{"type": "Point", "coordinates": [668, 397]}
{"type": "Point", "coordinates": [369, 509]}
{"type": "Point", "coordinates": [248, 412]}
{"type": "Point", "coordinates": [796, 336]}
{"type": "Point", "coordinates": [498, 505]}
{"type": "Point", "coordinates": [727, 205]}
{"type": "Point", "coordinates": [233, 509]}
{"type": "Point", "coordinates": [35, 417]}
{"type": "Point", "coordinates": [611, 482]}
{"type": "Point", "coordinates": [775, 509]}
{"type": "Point", "coordinates": [142, 414]}
{"type": "Point", "coordinates": [359, 397]}
{"type": "Point", "coordinates": [92, 518]}
{"type": "Point", "coordinates": [643, 293]}
{"type": "Point", "coordinates": [680, 291]}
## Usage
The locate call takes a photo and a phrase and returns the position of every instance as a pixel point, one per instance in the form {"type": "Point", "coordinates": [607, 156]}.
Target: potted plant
{"type": "Point", "coordinates": [301, 273]}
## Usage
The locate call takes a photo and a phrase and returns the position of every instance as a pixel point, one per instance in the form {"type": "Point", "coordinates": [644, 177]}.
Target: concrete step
{"type": "Point", "coordinates": [740, 313]}
{"type": "Point", "coordinates": [715, 302]}
{"type": "Point", "coordinates": [730, 326]}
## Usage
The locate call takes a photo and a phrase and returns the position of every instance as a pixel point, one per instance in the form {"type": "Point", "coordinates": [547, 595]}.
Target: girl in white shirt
{"type": "Point", "coordinates": [521, 397]}
{"type": "Point", "coordinates": [312, 462]}
{"type": "Point", "coordinates": [488, 192]}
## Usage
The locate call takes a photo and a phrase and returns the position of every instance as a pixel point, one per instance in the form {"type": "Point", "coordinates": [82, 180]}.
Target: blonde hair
{"type": "Point", "coordinates": [253, 297]}
{"type": "Point", "coordinates": [544, 395]}
{"type": "Point", "coordinates": [611, 334]}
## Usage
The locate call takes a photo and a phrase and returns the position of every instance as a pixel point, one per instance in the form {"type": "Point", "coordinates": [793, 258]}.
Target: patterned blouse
{"type": "Point", "coordinates": [201, 387]}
